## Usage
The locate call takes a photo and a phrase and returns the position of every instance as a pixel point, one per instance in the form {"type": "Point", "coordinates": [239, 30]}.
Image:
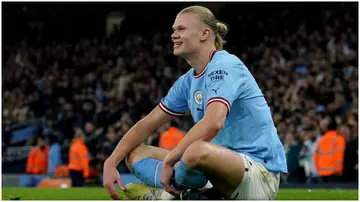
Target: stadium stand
{"type": "Point", "coordinates": [61, 71]}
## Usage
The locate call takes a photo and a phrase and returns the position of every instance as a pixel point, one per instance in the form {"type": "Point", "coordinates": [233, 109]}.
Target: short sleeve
{"type": "Point", "coordinates": [223, 83]}
{"type": "Point", "coordinates": [175, 102]}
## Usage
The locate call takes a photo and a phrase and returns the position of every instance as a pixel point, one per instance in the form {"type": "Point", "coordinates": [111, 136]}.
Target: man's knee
{"type": "Point", "coordinates": [189, 172]}
{"type": "Point", "coordinates": [196, 154]}
{"type": "Point", "coordinates": [135, 155]}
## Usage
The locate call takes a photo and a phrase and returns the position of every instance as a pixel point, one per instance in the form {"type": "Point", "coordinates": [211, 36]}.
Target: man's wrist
{"type": "Point", "coordinates": [168, 161]}
{"type": "Point", "coordinates": [110, 161]}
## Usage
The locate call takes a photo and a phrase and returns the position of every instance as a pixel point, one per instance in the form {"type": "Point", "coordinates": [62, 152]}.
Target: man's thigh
{"type": "Point", "coordinates": [258, 183]}
{"type": "Point", "coordinates": [223, 167]}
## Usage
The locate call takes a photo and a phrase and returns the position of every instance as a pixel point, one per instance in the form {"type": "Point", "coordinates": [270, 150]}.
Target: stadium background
{"type": "Point", "coordinates": [101, 67]}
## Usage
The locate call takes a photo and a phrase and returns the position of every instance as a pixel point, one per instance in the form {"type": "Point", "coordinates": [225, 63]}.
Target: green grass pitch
{"type": "Point", "coordinates": [100, 194]}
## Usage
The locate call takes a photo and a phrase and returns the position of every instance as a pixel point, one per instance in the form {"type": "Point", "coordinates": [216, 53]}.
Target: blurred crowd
{"type": "Point", "coordinates": [101, 87]}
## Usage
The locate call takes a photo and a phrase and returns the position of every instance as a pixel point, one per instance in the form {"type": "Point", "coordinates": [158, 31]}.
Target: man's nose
{"type": "Point", "coordinates": [174, 35]}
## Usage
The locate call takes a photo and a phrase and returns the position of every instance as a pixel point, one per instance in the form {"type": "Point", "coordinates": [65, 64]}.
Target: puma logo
{"type": "Point", "coordinates": [215, 91]}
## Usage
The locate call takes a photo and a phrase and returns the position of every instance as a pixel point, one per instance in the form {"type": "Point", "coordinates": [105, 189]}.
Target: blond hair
{"type": "Point", "coordinates": [220, 29]}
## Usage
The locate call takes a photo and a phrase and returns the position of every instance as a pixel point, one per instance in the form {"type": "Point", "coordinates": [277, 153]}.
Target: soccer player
{"type": "Point", "coordinates": [234, 143]}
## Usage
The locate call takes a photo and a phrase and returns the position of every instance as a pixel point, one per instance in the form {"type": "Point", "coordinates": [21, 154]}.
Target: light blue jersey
{"type": "Point", "coordinates": [248, 128]}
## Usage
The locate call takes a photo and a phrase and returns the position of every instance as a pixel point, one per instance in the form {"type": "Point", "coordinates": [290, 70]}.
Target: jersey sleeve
{"type": "Point", "coordinates": [175, 102]}
{"type": "Point", "coordinates": [223, 83]}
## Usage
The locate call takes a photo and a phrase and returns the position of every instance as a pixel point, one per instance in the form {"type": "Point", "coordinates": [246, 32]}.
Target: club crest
{"type": "Point", "coordinates": [198, 97]}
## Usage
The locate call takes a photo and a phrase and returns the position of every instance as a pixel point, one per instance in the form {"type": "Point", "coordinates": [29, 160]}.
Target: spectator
{"type": "Point", "coordinates": [55, 156]}
{"type": "Point", "coordinates": [329, 155]}
{"type": "Point", "coordinates": [37, 161]}
{"type": "Point", "coordinates": [310, 140]}
{"type": "Point", "coordinates": [79, 159]}
{"type": "Point", "coordinates": [306, 68]}
{"type": "Point", "coordinates": [351, 157]}
{"type": "Point", "coordinates": [292, 151]}
{"type": "Point", "coordinates": [171, 137]}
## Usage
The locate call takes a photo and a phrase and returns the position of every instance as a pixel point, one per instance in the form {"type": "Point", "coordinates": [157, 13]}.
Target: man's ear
{"type": "Point", "coordinates": [205, 34]}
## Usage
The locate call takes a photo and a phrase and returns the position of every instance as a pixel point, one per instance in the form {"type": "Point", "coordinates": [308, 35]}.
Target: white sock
{"type": "Point", "coordinates": [208, 185]}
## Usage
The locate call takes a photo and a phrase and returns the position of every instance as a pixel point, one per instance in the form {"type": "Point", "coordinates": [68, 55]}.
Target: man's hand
{"type": "Point", "coordinates": [166, 177]}
{"type": "Point", "coordinates": [111, 176]}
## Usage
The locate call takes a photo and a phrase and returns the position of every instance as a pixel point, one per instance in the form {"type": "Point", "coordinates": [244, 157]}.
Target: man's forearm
{"type": "Point", "coordinates": [201, 131]}
{"type": "Point", "coordinates": [138, 134]}
{"type": "Point", "coordinates": [134, 137]}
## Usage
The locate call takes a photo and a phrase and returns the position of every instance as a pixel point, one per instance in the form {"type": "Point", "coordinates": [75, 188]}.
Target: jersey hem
{"type": "Point", "coordinates": [169, 111]}
{"type": "Point", "coordinates": [220, 99]}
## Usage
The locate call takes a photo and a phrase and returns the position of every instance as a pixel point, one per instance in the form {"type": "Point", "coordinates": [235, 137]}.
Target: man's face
{"type": "Point", "coordinates": [41, 142]}
{"type": "Point", "coordinates": [89, 127]}
{"type": "Point", "coordinates": [187, 33]}
{"type": "Point", "coordinates": [345, 132]}
{"type": "Point", "coordinates": [324, 123]}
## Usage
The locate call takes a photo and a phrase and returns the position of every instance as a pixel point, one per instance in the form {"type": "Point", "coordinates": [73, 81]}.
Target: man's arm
{"type": "Point", "coordinates": [223, 82]}
{"type": "Point", "coordinates": [339, 154]}
{"type": "Point", "coordinates": [84, 157]}
{"type": "Point", "coordinates": [174, 104]}
{"type": "Point", "coordinates": [30, 161]}
{"type": "Point", "coordinates": [138, 134]}
{"type": "Point", "coordinates": [206, 129]}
